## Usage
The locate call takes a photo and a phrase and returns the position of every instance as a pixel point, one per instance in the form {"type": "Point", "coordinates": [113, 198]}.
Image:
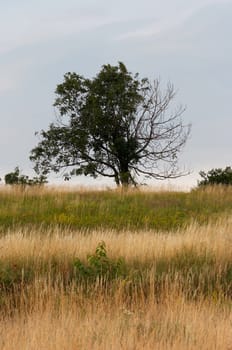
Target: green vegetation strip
{"type": "Point", "coordinates": [112, 210]}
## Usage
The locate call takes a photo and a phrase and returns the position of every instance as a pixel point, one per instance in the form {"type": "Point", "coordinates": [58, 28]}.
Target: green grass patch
{"type": "Point", "coordinates": [112, 210]}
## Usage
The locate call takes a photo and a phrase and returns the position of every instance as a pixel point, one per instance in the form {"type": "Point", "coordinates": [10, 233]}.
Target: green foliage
{"type": "Point", "coordinates": [216, 176]}
{"type": "Point", "coordinates": [113, 125]}
{"type": "Point", "coordinates": [15, 178]}
{"type": "Point", "coordinates": [99, 265]}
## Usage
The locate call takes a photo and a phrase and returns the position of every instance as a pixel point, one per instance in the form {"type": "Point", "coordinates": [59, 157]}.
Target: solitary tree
{"type": "Point", "coordinates": [115, 125]}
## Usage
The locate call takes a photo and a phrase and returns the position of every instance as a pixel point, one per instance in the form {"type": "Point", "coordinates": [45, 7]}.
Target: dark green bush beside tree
{"type": "Point", "coordinates": [216, 176]}
{"type": "Point", "coordinates": [115, 125]}
{"type": "Point", "coordinates": [16, 178]}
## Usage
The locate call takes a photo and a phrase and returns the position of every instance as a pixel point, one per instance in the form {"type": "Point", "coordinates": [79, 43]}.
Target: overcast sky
{"type": "Point", "coordinates": [185, 42]}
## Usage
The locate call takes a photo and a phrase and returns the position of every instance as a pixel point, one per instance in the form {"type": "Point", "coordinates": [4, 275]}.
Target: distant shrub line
{"type": "Point", "coordinates": [16, 178]}
{"type": "Point", "coordinates": [216, 176]}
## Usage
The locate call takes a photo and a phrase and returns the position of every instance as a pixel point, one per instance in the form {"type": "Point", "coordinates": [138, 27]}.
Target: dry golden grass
{"type": "Point", "coordinates": [46, 315]}
{"type": "Point", "coordinates": [51, 319]}
{"type": "Point", "coordinates": [143, 246]}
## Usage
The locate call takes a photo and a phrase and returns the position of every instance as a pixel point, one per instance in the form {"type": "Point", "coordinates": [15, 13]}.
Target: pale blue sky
{"type": "Point", "coordinates": [185, 42]}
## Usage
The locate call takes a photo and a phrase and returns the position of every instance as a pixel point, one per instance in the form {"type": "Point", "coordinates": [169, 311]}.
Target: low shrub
{"type": "Point", "coordinates": [99, 265]}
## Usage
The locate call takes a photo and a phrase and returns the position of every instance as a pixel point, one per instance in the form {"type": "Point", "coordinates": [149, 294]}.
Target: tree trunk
{"type": "Point", "coordinates": [116, 179]}
{"type": "Point", "coordinates": [125, 176]}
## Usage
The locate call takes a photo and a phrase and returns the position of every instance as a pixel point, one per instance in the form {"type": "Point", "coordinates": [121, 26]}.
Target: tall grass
{"type": "Point", "coordinates": [164, 286]}
{"type": "Point", "coordinates": [49, 318]}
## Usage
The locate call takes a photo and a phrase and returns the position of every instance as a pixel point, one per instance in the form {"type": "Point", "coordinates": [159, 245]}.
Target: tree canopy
{"type": "Point", "coordinates": [115, 125]}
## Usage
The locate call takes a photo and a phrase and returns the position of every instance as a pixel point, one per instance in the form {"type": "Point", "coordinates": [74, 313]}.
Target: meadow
{"type": "Point", "coordinates": [115, 270]}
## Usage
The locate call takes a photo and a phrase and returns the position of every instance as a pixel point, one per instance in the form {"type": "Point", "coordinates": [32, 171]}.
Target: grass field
{"type": "Point", "coordinates": [113, 270]}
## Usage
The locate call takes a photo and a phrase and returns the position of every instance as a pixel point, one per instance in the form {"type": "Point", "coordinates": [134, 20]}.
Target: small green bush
{"type": "Point", "coordinates": [99, 265]}
{"type": "Point", "coordinates": [216, 176]}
